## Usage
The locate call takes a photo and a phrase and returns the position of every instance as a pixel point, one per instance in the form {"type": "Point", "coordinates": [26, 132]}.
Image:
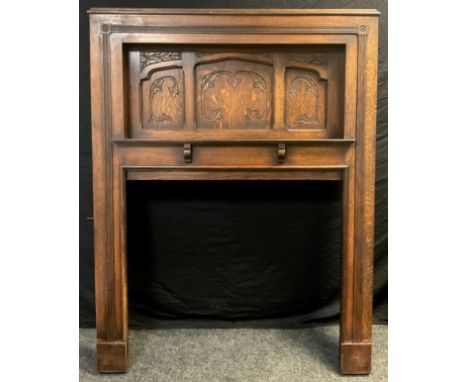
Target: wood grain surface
{"type": "Point", "coordinates": [233, 94]}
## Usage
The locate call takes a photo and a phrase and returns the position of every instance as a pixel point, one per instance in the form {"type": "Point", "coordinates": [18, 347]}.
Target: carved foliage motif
{"type": "Point", "coordinates": [233, 92]}
{"type": "Point", "coordinates": [305, 100]}
{"type": "Point", "coordinates": [320, 59]}
{"type": "Point", "coordinates": [234, 96]}
{"type": "Point", "coordinates": [148, 58]}
{"type": "Point", "coordinates": [158, 110]}
{"type": "Point", "coordinates": [251, 113]}
{"type": "Point", "coordinates": [164, 105]}
{"type": "Point", "coordinates": [310, 87]}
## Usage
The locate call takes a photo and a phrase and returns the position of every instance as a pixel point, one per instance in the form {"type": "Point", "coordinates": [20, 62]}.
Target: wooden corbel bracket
{"type": "Point", "coordinates": [281, 152]}
{"type": "Point", "coordinates": [187, 153]}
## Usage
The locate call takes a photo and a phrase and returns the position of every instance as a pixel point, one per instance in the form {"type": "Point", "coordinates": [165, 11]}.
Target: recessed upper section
{"type": "Point", "coordinates": [265, 88]}
{"type": "Point", "coordinates": [228, 11]}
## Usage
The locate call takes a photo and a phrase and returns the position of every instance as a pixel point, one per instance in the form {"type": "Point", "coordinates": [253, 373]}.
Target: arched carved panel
{"type": "Point", "coordinates": [162, 98]}
{"type": "Point", "coordinates": [234, 94]}
{"type": "Point", "coordinates": [305, 100]}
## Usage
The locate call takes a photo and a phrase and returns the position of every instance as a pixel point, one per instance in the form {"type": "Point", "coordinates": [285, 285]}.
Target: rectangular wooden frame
{"type": "Point", "coordinates": [236, 154]}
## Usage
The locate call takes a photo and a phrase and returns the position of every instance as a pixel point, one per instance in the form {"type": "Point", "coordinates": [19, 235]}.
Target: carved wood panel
{"type": "Point", "coordinates": [162, 99]}
{"type": "Point", "coordinates": [305, 100]}
{"type": "Point", "coordinates": [296, 90]}
{"type": "Point", "coordinates": [234, 94]}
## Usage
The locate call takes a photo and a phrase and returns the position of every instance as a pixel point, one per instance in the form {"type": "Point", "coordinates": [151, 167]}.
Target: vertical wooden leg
{"type": "Point", "coordinates": [356, 306]}
{"type": "Point", "coordinates": [110, 278]}
{"type": "Point", "coordinates": [109, 213]}
{"type": "Point", "coordinates": [358, 221]}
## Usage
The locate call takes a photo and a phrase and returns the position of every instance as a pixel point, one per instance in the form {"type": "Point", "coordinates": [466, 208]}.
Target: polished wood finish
{"type": "Point", "coordinates": [266, 88]}
{"type": "Point", "coordinates": [233, 94]}
{"type": "Point", "coordinates": [233, 11]}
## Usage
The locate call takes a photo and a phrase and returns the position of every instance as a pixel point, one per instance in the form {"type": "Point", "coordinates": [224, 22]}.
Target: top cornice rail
{"type": "Point", "coordinates": [240, 12]}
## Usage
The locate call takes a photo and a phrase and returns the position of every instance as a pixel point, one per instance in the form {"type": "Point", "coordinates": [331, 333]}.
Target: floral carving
{"type": "Point", "coordinates": [310, 86]}
{"type": "Point", "coordinates": [157, 86]}
{"type": "Point", "coordinates": [320, 59]}
{"type": "Point", "coordinates": [252, 113]}
{"type": "Point", "coordinates": [148, 58]}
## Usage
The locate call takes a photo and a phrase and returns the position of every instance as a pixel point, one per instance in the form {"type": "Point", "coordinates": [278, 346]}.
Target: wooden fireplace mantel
{"type": "Point", "coordinates": [227, 94]}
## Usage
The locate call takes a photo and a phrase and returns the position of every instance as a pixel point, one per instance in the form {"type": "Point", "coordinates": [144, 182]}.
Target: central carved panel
{"type": "Point", "coordinates": [234, 94]}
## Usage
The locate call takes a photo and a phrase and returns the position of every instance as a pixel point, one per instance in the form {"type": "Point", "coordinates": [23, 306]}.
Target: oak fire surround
{"type": "Point", "coordinates": [222, 94]}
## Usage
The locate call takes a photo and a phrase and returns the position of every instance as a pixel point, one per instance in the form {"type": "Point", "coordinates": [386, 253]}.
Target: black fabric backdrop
{"type": "Point", "coordinates": [233, 253]}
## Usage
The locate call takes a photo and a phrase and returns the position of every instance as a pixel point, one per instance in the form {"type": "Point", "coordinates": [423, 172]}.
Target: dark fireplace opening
{"type": "Point", "coordinates": [233, 253]}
